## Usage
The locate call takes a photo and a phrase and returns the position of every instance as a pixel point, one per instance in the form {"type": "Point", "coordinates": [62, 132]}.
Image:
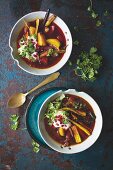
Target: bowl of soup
{"type": "Point", "coordinates": [39, 48]}
{"type": "Point", "coordinates": [70, 121]}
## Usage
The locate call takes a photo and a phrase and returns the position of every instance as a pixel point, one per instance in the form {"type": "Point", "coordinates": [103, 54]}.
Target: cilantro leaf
{"type": "Point", "coordinates": [76, 42]}
{"type": "Point", "coordinates": [70, 63]}
{"type": "Point", "coordinates": [94, 15]}
{"type": "Point", "coordinates": [88, 64]}
{"type": "Point", "coordinates": [35, 146]}
{"type": "Point", "coordinates": [98, 23]}
{"type": "Point", "coordinates": [106, 13]}
{"type": "Point", "coordinates": [14, 122]}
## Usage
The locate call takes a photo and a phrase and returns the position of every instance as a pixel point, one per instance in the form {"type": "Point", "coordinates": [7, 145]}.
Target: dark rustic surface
{"type": "Point", "coordinates": [16, 150]}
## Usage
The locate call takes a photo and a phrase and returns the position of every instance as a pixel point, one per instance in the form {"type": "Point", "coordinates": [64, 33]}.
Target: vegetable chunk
{"type": "Point", "coordinates": [76, 134]}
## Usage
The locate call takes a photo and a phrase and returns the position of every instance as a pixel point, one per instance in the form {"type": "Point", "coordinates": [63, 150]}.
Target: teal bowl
{"type": "Point", "coordinates": [32, 112]}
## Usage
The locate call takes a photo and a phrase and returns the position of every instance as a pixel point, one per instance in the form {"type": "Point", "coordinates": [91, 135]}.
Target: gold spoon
{"type": "Point", "coordinates": [19, 99]}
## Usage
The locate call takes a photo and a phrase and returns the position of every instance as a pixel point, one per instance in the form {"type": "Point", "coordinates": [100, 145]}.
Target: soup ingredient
{"type": "Point", "coordinates": [60, 120]}
{"type": "Point", "coordinates": [33, 47]}
{"type": "Point", "coordinates": [37, 25]}
{"type": "Point", "coordinates": [81, 113]}
{"type": "Point", "coordinates": [65, 123]}
{"type": "Point", "coordinates": [50, 20]}
{"type": "Point", "coordinates": [88, 65]}
{"type": "Point", "coordinates": [35, 146]}
{"type": "Point", "coordinates": [32, 30]}
{"type": "Point", "coordinates": [81, 127]}
{"type": "Point", "coordinates": [41, 39]}
{"type": "Point", "coordinates": [27, 48]}
{"type": "Point", "coordinates": [61, 131]}
{"type": "Point", "coordinates": [76, 134]}
{"type": "Point", "coordinates": [54, 42]}
{"type": "Point", "coordinates": [14, 121]}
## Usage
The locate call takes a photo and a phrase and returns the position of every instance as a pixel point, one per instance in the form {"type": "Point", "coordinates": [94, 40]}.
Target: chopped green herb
{"type": "Point", "coordinates": [98, 24]}
{"type": "Point", "coordinates": [106, 13]}
{"type": "Point", "coordinates": [93, 14]}
{"type": "Point", "coordinates": [14, 122]}
{"type": "Point", "coordinates": [88, 65]}
{"type": "Point", "coordinates": [89, 8]}
{"type": "Point", "coordinates": [93, 50]}
{"type": "Point", "coordinates": [50, 52]}
{"type": "Point", "coordinates": [75, 28]}
{"type": "Point", "coordinates": [35, 146]}
{"type": "Point", "coordinates": [53, 108]}
{"type": "Point", "coordinates": [27, 48]}
{"type": "Point", "coordinates": [70, 63]}
{"type": "Point", "coordinates": [76, 42]}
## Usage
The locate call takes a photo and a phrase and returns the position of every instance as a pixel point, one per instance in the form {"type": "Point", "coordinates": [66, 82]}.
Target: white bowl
{"type": "Point", "coordinates": [13, 44]}
{"type": "Point", "coordinates": [78, 147]}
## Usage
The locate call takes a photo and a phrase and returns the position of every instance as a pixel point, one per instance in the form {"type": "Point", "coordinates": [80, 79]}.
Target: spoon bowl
{"type": "Point", "coordinates": [17, 100]}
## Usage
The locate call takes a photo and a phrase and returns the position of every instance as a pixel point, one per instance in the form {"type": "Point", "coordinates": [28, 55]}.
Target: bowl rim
{"type": "Point", "coordinates": [97, 134]}
{"type": "Point", "coordinates": [52, 70]}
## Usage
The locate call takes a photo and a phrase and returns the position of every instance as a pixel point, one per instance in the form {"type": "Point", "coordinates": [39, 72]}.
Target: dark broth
{"type": "Point", "coordinates": [57, 34]}
{"type": "Point", "coordinates": [53, 132]}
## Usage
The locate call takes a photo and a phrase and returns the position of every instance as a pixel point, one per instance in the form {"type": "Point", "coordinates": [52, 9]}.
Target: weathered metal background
{"type": "Point", "coordinates": [16, 150]}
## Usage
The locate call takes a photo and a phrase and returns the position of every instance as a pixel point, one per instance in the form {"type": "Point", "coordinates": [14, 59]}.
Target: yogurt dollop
{"type": "Point", "coordinates": [59, 120]}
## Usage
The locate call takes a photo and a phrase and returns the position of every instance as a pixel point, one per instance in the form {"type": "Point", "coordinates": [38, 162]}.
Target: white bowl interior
{"type": "Point", "coordinates": [13, 44]}
{"type": "Point", "coordinates": [78, 147]}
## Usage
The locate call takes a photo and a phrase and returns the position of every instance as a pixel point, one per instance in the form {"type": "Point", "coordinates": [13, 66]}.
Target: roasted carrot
{"type": "Point", "coordinates": [81, 113]}
{"type": "Point", "coordinates": [61, 131]}
{"type": "Point", "coordinates": [37, 25]}
{"type": "Point", "coordinates": [44, 54]}
{"type": "Point", "coordinates": [80, 127]}
{"type": "Point", "coordinates": [76, 134]}
{"type": "Point", "coordinates": [41, 39]}
{"type": "Point", "coordinates": [50, 20]}
{"type": "Point", "coordinates": [32, 30]}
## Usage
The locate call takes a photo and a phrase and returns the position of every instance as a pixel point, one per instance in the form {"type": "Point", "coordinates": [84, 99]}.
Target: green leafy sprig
{"type": "Point", "coordinates": [90, 9]}
{"type": "Point", "coordinates": [35, 146]}
{"type": "Point", "coordinates": [14, 122]}
{"type": "Point", "coordinates": [88, 64]}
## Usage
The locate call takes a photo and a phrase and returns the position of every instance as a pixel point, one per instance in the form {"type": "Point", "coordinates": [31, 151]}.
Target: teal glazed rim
{"type": "Point", "coordinates": [31, 114]}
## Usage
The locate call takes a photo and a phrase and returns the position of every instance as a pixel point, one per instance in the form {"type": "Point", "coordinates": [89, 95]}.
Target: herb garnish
{"type": "Point", "coordinates": [88, 65]}
{"type": "Point", "coordinates": [93, 14]}
{"type": "Point", "coordinates": [35, 146]}
{"type": "Point", "coordinates": [53, 108]}
{"type": "Point", "coordinates": [76, 42]}
{"type": "Point", "coordinates": [70, 63]}
{"type": "Point", "coordinates": [106, 13]}
{"type": "Point", "coordinates": [98, 23]}
{"type": "Point", "coordinates": [76, 28]}
{"type": "Point", "coordinates": [27, 48]}
{"type": "Point", "coordinates": [14, 122]}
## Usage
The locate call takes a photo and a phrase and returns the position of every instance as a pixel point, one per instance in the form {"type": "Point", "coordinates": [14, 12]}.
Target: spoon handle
{"type": "Point", "coordinates": [49, 79]}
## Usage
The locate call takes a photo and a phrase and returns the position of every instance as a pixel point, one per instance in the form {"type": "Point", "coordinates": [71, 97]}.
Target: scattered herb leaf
{"type": "Point", "coordinates": [75, 28]}
{"type": "Point", "coordinates": [106, 13]}
{"type": "Point", "coordinates": [88, 65]}
{"type": "Point", "coordinates": [76, 42]}
{"type": "Point", "coordinates": [98, 23]}
{"type": "Point", "coordinates": [93, 14]}
{"type": "Point", "coordinates": [35, 146]}
{"type": "Point", "coordinates": [70, 63]}
{"type": "Point", "coordinates": [89, 8]}
{"type": "Point", "coordinates": [14, 122]}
